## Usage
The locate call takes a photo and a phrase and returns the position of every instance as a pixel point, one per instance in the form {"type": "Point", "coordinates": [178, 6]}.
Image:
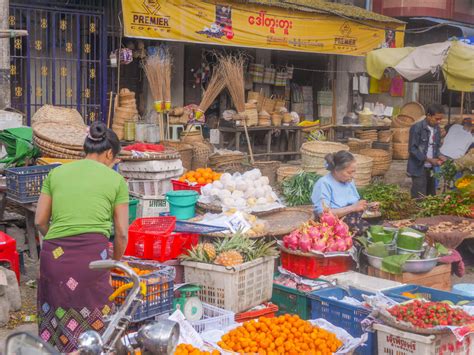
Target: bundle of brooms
{"type": "Point", "coordinates": [214, 88]}
{"type": "Point", "coordinates": [231, 68]}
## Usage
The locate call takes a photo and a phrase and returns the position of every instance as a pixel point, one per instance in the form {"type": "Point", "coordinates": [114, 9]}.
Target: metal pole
{"type": "Point", "coordinates": [450, 103]}
{"type": "Point", "coordinates": [4, 57]}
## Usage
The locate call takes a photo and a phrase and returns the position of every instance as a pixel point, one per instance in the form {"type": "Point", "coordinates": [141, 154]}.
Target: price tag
{"type": "Point", "coordinates": [187, 334]}
{"type": "Point", "coordinates": [237, 222]}
{"type": "Point", "coordinates": [214, 136]}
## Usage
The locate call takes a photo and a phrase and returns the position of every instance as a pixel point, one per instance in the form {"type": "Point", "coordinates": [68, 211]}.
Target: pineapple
{"type": "Point", "coordinates": [196, 253]}
{"type": "Point", "coordinates": [229, 258]}
{"type": "Point", "coordinates": [210, 250]}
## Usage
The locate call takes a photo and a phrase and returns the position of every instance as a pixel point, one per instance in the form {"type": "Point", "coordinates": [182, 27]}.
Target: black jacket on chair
{"type": "Point", "coordinates": [418, 146]}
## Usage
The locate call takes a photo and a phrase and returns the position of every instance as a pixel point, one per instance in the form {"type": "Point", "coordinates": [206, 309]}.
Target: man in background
{"type": "Point", "coordinates": [423, 146]}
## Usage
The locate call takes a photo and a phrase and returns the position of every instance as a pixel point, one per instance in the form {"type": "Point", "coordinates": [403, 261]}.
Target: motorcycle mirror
{"type": "Point", "coordinates": [159, 337]}
{"type": "Point", "coordinates": [27, 344]}
{"type": "Point", "coordinates": [90, 343]}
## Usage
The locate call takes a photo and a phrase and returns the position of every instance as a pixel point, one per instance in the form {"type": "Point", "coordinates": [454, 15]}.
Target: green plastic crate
{"type": "Point", "coordinates": [132, 209]}
{"type": "Point", "coordinates": [292, 301]}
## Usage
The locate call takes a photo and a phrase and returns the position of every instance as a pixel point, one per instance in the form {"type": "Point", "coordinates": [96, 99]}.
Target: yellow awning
{"type": "Point", "coordinates": [381, 59]}
{"type": "Point", "coordinates": [458, 68]}
{"type": "Point", "coordinates": [308, 26]}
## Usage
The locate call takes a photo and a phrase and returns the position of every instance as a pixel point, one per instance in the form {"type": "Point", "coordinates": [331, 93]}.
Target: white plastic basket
{"type": "Point", "coordinates": [213, 318]}
{"type": "Point", "coordinates": [394, 341]}
{"type": "Point", "coordinates": [155, 188]}
{"type": "Point", "coordinates": [235, 288]}
{"type": "Point", "coordinates": [154, 166]}
{"type": "Point", "coordinates": [361, 281]}
{"type": "Point", "coordinates": [141, 175]}
{"type": "Point", "coordinates": [152, 206]}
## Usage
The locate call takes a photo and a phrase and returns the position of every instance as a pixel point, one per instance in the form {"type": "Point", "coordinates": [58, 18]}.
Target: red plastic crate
{"type": "Point", "coordinates": [269, 311]}
{"type": "Point", "coordinates": [314, 266]}
{"type": "Point", "coordinates": [178, 185]}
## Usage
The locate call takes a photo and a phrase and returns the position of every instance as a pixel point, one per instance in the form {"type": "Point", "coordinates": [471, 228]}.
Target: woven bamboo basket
{"type": "Point", "coordinates": [119, 130]}
{"type": "Point", "coordinates": [367, 135]}
{"type": "Point", "coordinates": [287, 118]}
{"type": "Point", "coordinates": [268, 104]}
{"type": "Point", "coordinates": [385, 136]}
{"type": "Point", "coordinates": [284, 172]}
{"type": "Point", "coordinates": [413, 109]}
{"type": "Point", "coordinates": [191, 137]}
{"type": "Point", "coordinates": [402, 121]}
{"type": "Point", "coordinates": [313, 153]}
{"type": "Point", "coordinates": [400, 151]}
{"type": "Point", "coordinates": [49, 113]}
{"type": "Point", "coordinates": [279, 104]}
{"type": "Point", "coordinates": [217, 159]}
{"type": "Point", "coordinates": [251, 114]}
{"type": "Point", "coordinates": [264, 122]}
{"type": "Point", "coordinates": [232, 167]}
{"type": "Point", "coordinates": [201, 152]}
{"type": "Point", "coordinates": [401, 135]}
{"type": "Point", "coordinates": [381, 160]}
{"type": "Point", "coordinates": [276, 119]}
{"type": "Point", "coordinates": [268, 169]}
{"type": "Point", "coordinates": [356, 145]}
{"type": "Point", "coordinates": [363, 174]}
{"type": "Point", "coordinates": [253, 95]}
{"type": "Point", "coordinates": [185, 151]}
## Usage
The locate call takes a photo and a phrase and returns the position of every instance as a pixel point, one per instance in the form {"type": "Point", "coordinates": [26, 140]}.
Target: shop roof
{"type": "Point", "coordinates": [321, 6]}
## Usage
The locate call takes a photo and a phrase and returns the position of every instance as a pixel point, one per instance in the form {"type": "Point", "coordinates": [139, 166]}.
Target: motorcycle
{"type": "Point", "coordinates": [158, 337]}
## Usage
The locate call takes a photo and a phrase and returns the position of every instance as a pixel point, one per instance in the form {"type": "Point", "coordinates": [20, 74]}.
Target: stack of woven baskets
{"type": "Point", "coordinates": [401, 133]}
{"type": "Point", "coordinates": [367, 135]}
{"type": "Point", "coordinates": [287, 170]}
{"type": "Point", "coordinates": [59, 132]}
{"type": "Point", "coordinates": [356, 145]}
{"type": "Point", "coordinates": [384, 141]}
{"type": "Point", "coordinates": [225, 158]}
{"type": "Point", "coordinates": [126, 110]}
{"type": "Point", "coordinates": [201, 148]}
{"type": "Point", "coordinates": [382, 160]}
{"type": "Point", "coordinates": [313, 153]}
{"type": "Point", "coordinates": [271, 111]}
{"type": "Point", "coordinates": [363, 174]}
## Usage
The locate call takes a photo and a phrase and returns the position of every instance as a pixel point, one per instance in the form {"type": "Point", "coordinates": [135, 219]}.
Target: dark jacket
{"type": "Point", "coordinates": [418, 146]}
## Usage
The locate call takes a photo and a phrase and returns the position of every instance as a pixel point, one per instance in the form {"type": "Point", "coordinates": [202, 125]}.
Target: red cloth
{"type": "Point", "coordinates": [456, 260]}
{"type": "Point", "coordinates": [143, 147]}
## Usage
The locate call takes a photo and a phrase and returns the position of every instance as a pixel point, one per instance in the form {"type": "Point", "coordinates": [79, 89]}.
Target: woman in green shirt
{"type": "Point", "coordinates": [75, 211]}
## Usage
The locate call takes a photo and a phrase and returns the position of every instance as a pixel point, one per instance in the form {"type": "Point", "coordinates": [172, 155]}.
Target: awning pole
{"type": "Point", "coordinates": [462, 105]}
{"type": "Point", "coordinates": [450, 102]}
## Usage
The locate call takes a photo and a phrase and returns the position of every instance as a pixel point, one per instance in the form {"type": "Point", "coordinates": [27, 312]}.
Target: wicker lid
{"type": "Point", "coordinates": [375, 153]}
{"type": "Point", "coordinates": [68, 135]}
{"type": "Point", "coordinates": [323, 147]}
{"type": "Point", "coordinates": [413, 109]}
{"type": "Point", "coordinates": [49, 113]}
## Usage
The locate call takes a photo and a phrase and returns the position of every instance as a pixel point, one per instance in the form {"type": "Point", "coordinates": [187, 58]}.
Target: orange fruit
{"type": "Point", "coordinates": [197, 175]}
{"type": "Point", "coordinates": [209, 181]}
{"type": "Point", "coordinates": [192, 179]}
{"type": "Point", "coordinates": [201, 180]}
{"type": "Point", "coordinates": [182, 179]}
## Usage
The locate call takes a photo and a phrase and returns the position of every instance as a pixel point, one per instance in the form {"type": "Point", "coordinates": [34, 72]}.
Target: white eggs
{"type": "Point", "coordinates": [241, 185]}
{"type": "Point", "coordinates": [237, 194]}
{"type": "Point", "coordinates": [230, 185]}
{"type": "Point", "coordinates": [226, 177]}
{"type": "Point", "coordinates": [218, 185]}
{"type": "Point", "coordinates": [250, 192]}
{"type": "Point", "coordinates": [224, 194]}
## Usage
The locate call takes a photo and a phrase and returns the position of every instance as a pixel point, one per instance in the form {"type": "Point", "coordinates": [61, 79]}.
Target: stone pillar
{"type": "Point", "coordinates": [4, 57]}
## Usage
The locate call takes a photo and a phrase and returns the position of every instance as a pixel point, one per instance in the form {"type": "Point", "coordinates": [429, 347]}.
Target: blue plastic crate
{"type": "Point", "coordinates": [24, 184]}
{"type": "Point", "coordinates": [159, 289]}
{"type": "Point", "coordinates": [428, 293]}
{"type": "Point", "coordinates": [343, 315]}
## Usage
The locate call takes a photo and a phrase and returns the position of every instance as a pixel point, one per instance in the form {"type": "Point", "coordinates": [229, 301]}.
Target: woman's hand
{"type": "Point", "coordinates": [360, 206]}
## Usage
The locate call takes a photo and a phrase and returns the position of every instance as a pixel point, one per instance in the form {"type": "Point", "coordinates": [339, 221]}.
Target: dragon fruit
{"type": "Point", "coordinates": [314, 233]}
{"type": "Point", "coordinates": [341, 229]}
{"type": "Point", "coordinates": [328, 218]}
{"type": "Point", "coordinates": [305, 243]}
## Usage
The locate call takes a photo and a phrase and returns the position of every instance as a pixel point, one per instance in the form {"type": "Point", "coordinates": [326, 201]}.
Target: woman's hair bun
{"type": "Point", "coordinates": [330, 161]}
{"type": "Point", "coordinates": [98, 130]}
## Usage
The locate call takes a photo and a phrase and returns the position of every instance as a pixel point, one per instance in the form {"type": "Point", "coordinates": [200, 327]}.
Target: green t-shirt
{"type": "Point", "coordinates": [84, 195]}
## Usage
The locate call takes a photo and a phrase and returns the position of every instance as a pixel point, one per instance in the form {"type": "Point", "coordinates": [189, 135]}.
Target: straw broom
{"type": "Point", "coordinates": [214, 88]}
{"type": "Point", "coordinates": [232, 70]}
{"type": "Point", "coordinates": [154, 73]}
{"type": "Point", "coordinates": [167, 63]}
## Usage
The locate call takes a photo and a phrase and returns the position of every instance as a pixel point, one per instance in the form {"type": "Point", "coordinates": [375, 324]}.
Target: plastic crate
{"type": "Point", "coordinates": [343, 315]}
{"type": "Point", "coordinates": [361, 281]}
{"type": "Point", "coordinates": [132, 210]}
{"type": "Point", "coordinates": [314, 266]}
{"type": "Point", "coordinates": [430, 294]}
{"type": "Point", "coordinates": [178, 185]}
{"type": "Point", "coordinates": [24, 184]}
{"type": "Point", "coordinates": [140, 188]}
{"type": "Point", "coordinates": [213, 318]}
{"type": "Point", "coordinates": [291, 301]}
{"type": "Point", "coordinates": [269, 310]}
{"type": "Point", "coordinates": [152, 206]}
{"type": "Point", "coordinates": [159, 289]}
{"type": "Point", "coordinates": [236, 289]}
{"type": "Point", "coordinates": [395, 341]}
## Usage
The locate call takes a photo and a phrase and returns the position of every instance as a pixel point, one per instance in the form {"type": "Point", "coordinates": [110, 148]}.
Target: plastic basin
{"type": "Point", "coordinates": [464, 289]}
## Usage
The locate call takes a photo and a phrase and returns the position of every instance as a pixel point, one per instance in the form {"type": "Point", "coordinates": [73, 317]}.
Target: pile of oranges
{"type": "Point", "coordinates": [201, 176]}
{"type": "Point", "coordinates": [188, 349]}
{"type": "Point", "coordinates": [286, 334]}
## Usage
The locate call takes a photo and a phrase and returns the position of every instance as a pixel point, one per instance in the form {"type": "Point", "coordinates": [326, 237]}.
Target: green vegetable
{"type": "Point", "coordinates": [447, 173]}
{"type": "Point", "coordinates": [378, 249]}
{"type": "Point", "coordinates": [453, 203]}
{"type": "Point", "coordinates": [410, 239]}
{"type": "Point", "coordinates": [395, 204]}
{"type": "Point", "coordinates": [297, 189]}
{"type": "Point", "coordinates": [442, 250]}
{"type": "Point", "coordinates": [394, 264]}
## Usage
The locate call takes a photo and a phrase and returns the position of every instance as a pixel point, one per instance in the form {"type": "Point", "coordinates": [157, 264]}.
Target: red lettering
{"type": "Point", "coordinates": [251, 20]}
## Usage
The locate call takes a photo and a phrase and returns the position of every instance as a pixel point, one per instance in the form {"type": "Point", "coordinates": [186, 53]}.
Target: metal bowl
{"type": "Point", "coordinates": [408, 251]}
{"type": "Point", "coordinates": [391, 248]}
{"type": "Point", "coordinates": [413, 266]}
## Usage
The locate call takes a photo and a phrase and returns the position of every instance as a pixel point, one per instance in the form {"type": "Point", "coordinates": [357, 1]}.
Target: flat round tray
{"type": "Point", "coordinates": [287, 220]}
{"type": "Point", "coordinates": [67, 135]}
{"type": "Point", "coordinates": [218, 209]}
{"type": "Point", "coordinates": [407, 327]}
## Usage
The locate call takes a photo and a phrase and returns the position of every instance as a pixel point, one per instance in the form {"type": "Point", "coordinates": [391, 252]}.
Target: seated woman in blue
{"type": "Point", "coordinates": [337, 192]}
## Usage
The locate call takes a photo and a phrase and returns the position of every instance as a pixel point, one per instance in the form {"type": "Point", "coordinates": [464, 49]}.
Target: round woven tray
{"type": "Point", "coordinates": [69, 135]}
{"type": "Point", "coordinates": [287, 220]}
{"type": "Point", "coordinates": [218, 209]}
{"type": "Point", "coordinates": [56, 148]}
{"type": "Point", "coordinates": [169, 154]}
{"type": "Point", "coordinates": [317, 148]}
{"type": "Point", "coordinates": [413, 109]}
{"type": "Point", "coordinates": [402, 121]}
{"type": "Point", "coordinates": [61, 152]}
{"type": "Point", "coordinates": [49, 113]}
{"type": "Point", "coordinates": [60, 156]}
